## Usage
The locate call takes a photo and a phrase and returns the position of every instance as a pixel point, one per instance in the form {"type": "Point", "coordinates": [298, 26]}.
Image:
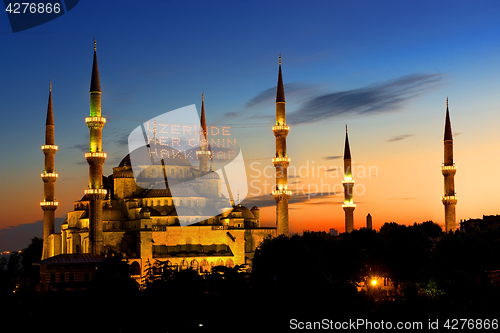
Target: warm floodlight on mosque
{"type": "Point", "coordinates": [95, 155]}
{"type": "Point", "coordinates": [49, 203]}
{"type": "Point", "coordinates": [49, 175]}
{"type": "Point", "coordinates": [281, 127]}
{"type": "Point", "coordinates": [281, 159]}
{"type": "Point", "coordinates": [348, 181]}
{"type": "Point", "coordinates": [96, 191]}
{"type": "Point", "coordinates": [281, 192]}
{"type": "Point", "coordinates": [448, 167]}
{"type": "Point", "coordinates": [95, 119]}
{"type": "Point", "coordinates": [348, 204]}
{"type": "Point", "coordinates": [373, 282]}
{"type": "Point", "coordinates": [449, 198]}
{"type": "Point", "coordinates": [50, 147]}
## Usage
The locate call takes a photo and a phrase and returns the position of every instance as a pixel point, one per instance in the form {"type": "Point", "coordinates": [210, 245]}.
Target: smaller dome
{"type": "Point", "coordinates": [255, 208]}
{"type": "Point", "coordinates": [211, 175]}
{"type": "Point", "coordinates": [126, 173]}
{"type": "Point", "coordinates": [245, 212]}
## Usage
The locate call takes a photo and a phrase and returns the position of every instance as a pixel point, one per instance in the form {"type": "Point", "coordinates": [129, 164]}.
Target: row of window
{"type": "Point", "coordinates": [203, 266]}
{"type": "Point", "coordinates": [67, 277]}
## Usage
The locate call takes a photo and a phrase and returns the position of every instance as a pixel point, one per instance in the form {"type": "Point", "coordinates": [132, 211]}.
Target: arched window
{"type": "Point", "coordinates": [204, 267]}
{"type": "Point", "coordinates": [194, 264]}
{"type": "Point", "coordinates": [135, 268]}
{"type": "Point", "coordinates": [184, 264]}
{"type": "Point", "coordinates": [229, 263]}
{"type": "Point", "coordinates": [219, 263]}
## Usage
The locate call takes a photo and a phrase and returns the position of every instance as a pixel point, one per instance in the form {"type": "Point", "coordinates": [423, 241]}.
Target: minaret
{"type": "Point", "coordinates": [448, 169]}
{"type": "Point", "coordinates": [95, 158]}
{"type": "Point", "coordinates": [204, 153]}
{"type": "Point", "coordinates": [348, 184]}
{"type": "Point", "coordinates": [369, 222]}
{"type": "Point", "coordinates": [49, 177]}
{"type": "Point", "coordinates": [281, 161]}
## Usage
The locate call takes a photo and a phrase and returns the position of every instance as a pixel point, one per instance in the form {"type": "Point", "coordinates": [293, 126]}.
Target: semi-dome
{"type": "Point", "coordinates": [112, 214]}
{"type": "Point", "coordinates": [144, 156]}
{"type": "Point", "coordinates": [211, 175]}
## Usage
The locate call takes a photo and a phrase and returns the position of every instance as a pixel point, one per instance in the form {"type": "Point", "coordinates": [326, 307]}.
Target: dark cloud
{"type": "Point", "coordinates": [400, 199]}
{"type": "Point", "coordinates": [332, 157]}
{"type": "Point", "coordinates": [19, 237]}
{"type": "Point", "coordinates": [293, 89]}
{"type": "Point", "coordinates": [267, 200]}
{"type": "Point", "coordinates": [376, 98]}
{"type": "Point", "coordinates": [81, 146]}
{"type": "Point", "coordinates": [400, 137]}
{"type": "Point", "coordinates": [231, 115]}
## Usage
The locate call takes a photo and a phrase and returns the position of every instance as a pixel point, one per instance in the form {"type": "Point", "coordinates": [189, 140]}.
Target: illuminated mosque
{"type": "Point", "coordinates": [119, 214]}
{"type": "Point", "coordinates": [123, 214]}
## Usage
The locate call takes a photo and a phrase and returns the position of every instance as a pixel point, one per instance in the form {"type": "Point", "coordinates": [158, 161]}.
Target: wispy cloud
{"type": "Point", "coordinates": [402, 199]}
{"type": "Point", "coordinates": [267, 200]}
{"type": "Point", "coordinates": [292, 90]}
{"type": "Point", "coordinates": [376, 98]}
{"type": "Point", "coordinates": [80, 146]}
{"type": "Point", "coordinates": [400, 137]}
{"type": "Point", "coordinates": [332, 157]}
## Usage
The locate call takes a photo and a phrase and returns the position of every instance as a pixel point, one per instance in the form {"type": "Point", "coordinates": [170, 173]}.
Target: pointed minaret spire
{"type": "Point", "coordinates": [448, 135]}
{"type": "Point", "coordinates": [348, 184]}
{"type": "Point", "coordinates": [50, 112]}
{"type": "Point", "coordinates": [204, 153]}
{"type": "Point", "coordinates": [347, 149]}
{"type": "Point", "coordinates": [280, 91]}
{"type": "Point", "coordinates": [449, 170]}
{"type": "Point", "coordinates": [95, 83]}
{"type": "Point", "coordinates": [203, 121]}
{"type": "Point", "coordinates": [49, 176]}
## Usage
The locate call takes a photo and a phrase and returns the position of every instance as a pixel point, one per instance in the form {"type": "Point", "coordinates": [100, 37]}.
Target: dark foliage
{"type": "Point", "coordinates": [307, 277]}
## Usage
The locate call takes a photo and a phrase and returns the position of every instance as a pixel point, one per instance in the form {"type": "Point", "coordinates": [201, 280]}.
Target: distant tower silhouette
{"type": "Point", "coordinates": [49, 177]}
{"type": "Point", "coordinates": [369, 222]}
{"type": "Point", "coordinates": [281, 160]}
{"type": "Point", "coordinates": [348, 184]}
{"type": "Point", "coordinates": [204, 153]}
{"type": "Point", "coordinates": [95, 158]}
{"type": "Point", "coordinates": [448, 169]}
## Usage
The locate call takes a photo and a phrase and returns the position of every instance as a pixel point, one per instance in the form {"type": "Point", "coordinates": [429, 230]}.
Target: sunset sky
{"type": "Point", "coordinates": [383, 67]}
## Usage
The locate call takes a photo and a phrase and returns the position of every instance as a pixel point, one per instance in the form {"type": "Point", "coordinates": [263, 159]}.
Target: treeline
{"type": "Point", "coordinates": [433, 274]}
{"type": "Point", "coordinates": [307, 277]}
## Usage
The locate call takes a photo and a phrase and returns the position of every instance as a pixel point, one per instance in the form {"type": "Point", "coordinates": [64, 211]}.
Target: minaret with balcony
{"type": "Point", "coordinates": [281, 161]}
{"type": "Point", "coordinates": [49, 177]}
{"type": "Point", "coordinates": [95, 158]}
{"type": "Point", "coordinates": [348, 184]}
{"type": "Point", "coordinates": [448, 170]}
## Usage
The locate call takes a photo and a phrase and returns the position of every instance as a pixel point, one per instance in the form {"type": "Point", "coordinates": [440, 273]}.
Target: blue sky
{"type": "Point", "coordinates": [156, 56]}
